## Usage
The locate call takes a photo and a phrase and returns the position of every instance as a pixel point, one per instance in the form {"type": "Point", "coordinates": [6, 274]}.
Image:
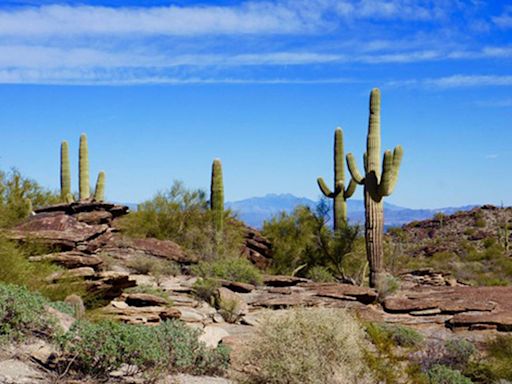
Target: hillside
{"type": "Point", "coordinates": [474, 245]}
{"type": "Point", "coordinates": [255, 210]}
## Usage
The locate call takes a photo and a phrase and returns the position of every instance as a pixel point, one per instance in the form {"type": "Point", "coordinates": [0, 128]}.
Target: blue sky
{"type": "Point", "coordinates": [164, 88]}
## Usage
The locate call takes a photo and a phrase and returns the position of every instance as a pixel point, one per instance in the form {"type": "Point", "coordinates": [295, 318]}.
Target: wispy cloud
{"type": "Point", "coordinates": [266, 17]}
{"type": "Point", "coordinates": [455, 81]}
{"type": "Point", "coordinates": [492, 156]}
{"type": "Point", "coordinates": [122, 77]}
{"type": "Point", "coordinates": [505, 19]}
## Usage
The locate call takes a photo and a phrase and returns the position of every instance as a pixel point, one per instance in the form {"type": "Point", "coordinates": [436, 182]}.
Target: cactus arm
{"type": "Point", "coordinates": [99, 192]}
{"type": "Point", "coordinates": [398, 154]}
{"type": "Point", "coordinates": [217, 195]}
{"type": "Point", "coordinates": [350, 189]}
{"type": "Point", "coordinates": [83, 168]}
{"type": "Point", "coordinates": [354, 172]}
{"type": "Point", "coordinates": [65, 173]}
{"type": "Point", "coordinates": [339, 167]}
{"type": "Point", "coordinates": [387, 176]}
{"type": "Point", "coordinates": [324, 188]}
{"type": "Point", "coordinates": [373, 140]}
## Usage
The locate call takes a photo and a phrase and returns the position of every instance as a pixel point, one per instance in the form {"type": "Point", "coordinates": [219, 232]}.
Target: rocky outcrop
{"type": "Point", "coordinates": [257, 248]}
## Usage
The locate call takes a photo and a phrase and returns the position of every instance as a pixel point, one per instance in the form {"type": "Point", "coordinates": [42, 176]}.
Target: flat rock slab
{"type": "Point", "coordinates": [16, 371]}
{"type": "Point", "coordinates": [144, 300]}
{"type": "Point", "coordinates": [141, 315]}
{"type": "Point", "coordinates": [56, 229]}
{"type": "Point", "coordinates": [283, 281]}
{"type": "Point", "coordinates": [86, 206]}
{"type": "Point", "coordinates": [71, 259]}
{"type": "Point", "coordinates": [466, 307]}
{"type": "Point", "coordinates": [342, 291]}
{"type": "Point", "coordinates": [126, 248]}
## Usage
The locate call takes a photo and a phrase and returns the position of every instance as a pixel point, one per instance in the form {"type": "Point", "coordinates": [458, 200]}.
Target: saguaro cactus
{"type": "Point", "coordinates": [99, 192]}
{"type": "Point", "coordinates": [217, 195]}
{"type": "Point", "coordinates": [340, 194]}
{"type": "Point", "coordinates": [65, 172]}
{"type": "Point", "coordinates": [378, 183]}
{"type": "Point", "coordinates": [83, 165]}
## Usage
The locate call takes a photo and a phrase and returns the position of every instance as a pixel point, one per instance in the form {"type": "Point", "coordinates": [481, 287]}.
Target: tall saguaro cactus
{"type": "Point", "coordinates": [65, 172]}
{"type": "Point", "coordinates": [83, 165]}
{"type": "Point", "coordinates": [378, 182]}
{"type": "Point", "coordinates": [340, 194]}
{"type": "Point", "coordinates": [217, 195]}
{"type": "Point", "coordinates": [99, 192]}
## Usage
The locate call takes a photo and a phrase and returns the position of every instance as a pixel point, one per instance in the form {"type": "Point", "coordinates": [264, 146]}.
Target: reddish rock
{"type": "Point", "coordinates": [141, 315]}
{"type": "Point", "coordinates": [56, 229]}
{"type": "Point", "coordinates": [283, 281]}
{"type": "Point", "coordinates": [342, 291]}
{"type": "Point", "coordinates": [144, 300]}
{"type": "Point", "coordinates": [94, 217]}
{"type": "Point", "coordinates": [237, 287]}
{"type": "Point", "coordinates": [257, 248]}
{"type": "Point", "coordinates": [86, 206]}
{"type": "Point", "coordinates": [71, 259]}
{"type": "Point", "coordinates": [124, 248]}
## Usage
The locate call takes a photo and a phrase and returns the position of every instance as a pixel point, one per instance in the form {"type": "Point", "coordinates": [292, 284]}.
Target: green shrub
{"type": "Point", "coordinates": [22, 313]}
{"type": "Point", "coordinates": [206, 289]}
{"type": "Point", "coordinates": [146, 265]}
{"type": "Point", "coordinates": [96, 349]}
{"type": "Point", "coordinates": [499, 357]}
{"type": "Point", "coordinates": [14, 192]}
{"type": "Point", "coordinates": [307, 346]}
{"type": "Point", "coordinates": [17, 269]}
{"type": "Point", "coordinates": [398, 334]}
{"type": "Point", "coordinates": [441, 374]}
{"type": "Point", "coordinates": [151, 291]}
{"type": "Point", "coordinates": [304, 237]}
{"type": "Point", "coordinates": [458, 352]}
{"type": "Point", "coordinates": [320, 275]}
{"type": "Point", "coordinates": [183, 216]}
{"type": "Point", "coordinates": [233, 268]}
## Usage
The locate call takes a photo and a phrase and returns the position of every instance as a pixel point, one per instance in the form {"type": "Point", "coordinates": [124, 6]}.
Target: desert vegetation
{"type": "Point", "coordinates": [311, 298]}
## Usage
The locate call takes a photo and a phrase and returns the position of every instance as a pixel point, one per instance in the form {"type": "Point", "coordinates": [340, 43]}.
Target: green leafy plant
{"type": "Point", "coordinates": [206, 289]}
{"type": "Point", "coordinates": [96, 349]}
{"type": "Point", "coordinates": [304, 238]}
{"type": "Point", "coordinates": [17, 269]}
{"type": "Point", "coordinates": [22, 313]}
{"type": "Point", "coordinates": [320, 275]}
{"type": "Point", "coordinates": [15, 193]}
{"type": "Point", "coordinates": [441, 374]}
{"type": "Point", "coordinates": [183, 216]}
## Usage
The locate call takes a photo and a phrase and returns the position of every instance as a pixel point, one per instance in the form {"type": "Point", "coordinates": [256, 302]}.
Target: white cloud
{"type": "Point", "coordinates": [118, 77]}
{"type": "Point", "coordinates": [264, 17]}
{"type": "Point", "coordinates": [505, 19]}
{"type": "Point", "coordinates": [456, 81]}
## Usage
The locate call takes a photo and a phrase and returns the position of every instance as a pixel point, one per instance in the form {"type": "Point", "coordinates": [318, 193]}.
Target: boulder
{"type": "Point", "coordinates": [237, 287]}
{"type": "Point", "coordinates": [94, 217]}
{"type": "Point", "coordinates": [212, 335]}
{"type": "Point", "coordinates": [343, 291]}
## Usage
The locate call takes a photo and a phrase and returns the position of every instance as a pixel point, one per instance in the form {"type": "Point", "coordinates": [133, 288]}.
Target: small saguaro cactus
{"type": "Point", "coordinates": [340, 194]}
{"type": "Point", "coordinates": [217, 195]}
{"type": "Point", "coordinates": [378, 183]}
{"type": "Point", "coordinates": [83, 169]}
{"type": "Point", "coordinates": [65, 172]}
{"type": "Point", "coordinates": [99, 192]}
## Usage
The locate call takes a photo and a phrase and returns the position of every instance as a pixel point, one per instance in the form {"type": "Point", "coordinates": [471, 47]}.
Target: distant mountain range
{"type": "Point", "coordinates": [254, 211]}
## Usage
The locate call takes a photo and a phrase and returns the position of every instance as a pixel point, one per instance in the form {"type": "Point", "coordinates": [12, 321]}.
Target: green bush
{"type": "Point", "coordinates": [183, 216]}
{"type": "Point", "coordinates": [147, 265]}
{"type": "Point", "coordinates": [307, 346]}
{"type": "Point", "coordinates": [320, 275]}
{"type": "Point", "coordinates": [96, 349]}
{"type": "Point", "coordinates": [304, 237]}
{"type": "Point", "coordinates": [22, 313]}
{"type": "Point", "coordinates": [17, 269]}
{"type": "Point", "coordinates": [398, 334]}
{"type": "Point", "coordinates": [233, 268]}
{"type": "Point", "coordinates": [441, 374]}
{"type": "Point", "coordinates": [206, 289]}
{"type": "Point", "coordinates": [14, 192]}
{"type": "Point", "coordinates": [151, 291]}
